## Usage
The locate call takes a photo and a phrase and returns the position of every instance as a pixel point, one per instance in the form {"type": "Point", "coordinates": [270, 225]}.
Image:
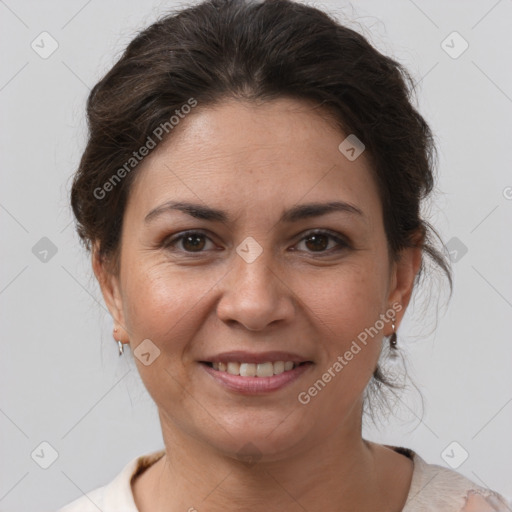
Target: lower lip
{"type": "Point", "coordinates": [256, 385]}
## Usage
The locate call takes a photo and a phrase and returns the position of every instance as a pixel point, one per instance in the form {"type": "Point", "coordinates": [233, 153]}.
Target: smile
{"type": "Point", "coordinates": [267, 369]}
{"type": "Point", "coordinates": [255, 378]}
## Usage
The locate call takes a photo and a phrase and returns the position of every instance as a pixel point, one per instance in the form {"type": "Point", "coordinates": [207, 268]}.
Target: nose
{"type": "Point", "coordinates": [255, 296]}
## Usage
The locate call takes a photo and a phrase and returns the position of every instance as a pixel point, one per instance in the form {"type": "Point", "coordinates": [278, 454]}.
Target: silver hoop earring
{"type": "Point", "coordinates": [121, 347]}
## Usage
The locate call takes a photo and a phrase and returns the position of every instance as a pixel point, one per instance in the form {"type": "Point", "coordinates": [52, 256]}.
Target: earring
{"type": "Point", "coordinates": [393, 338]}
{"type": "Point", "coordinates": [120, 344]}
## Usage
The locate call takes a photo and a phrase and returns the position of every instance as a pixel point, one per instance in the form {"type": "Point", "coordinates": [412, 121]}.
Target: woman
{"type": "Point", "coordinates": [250, 193]}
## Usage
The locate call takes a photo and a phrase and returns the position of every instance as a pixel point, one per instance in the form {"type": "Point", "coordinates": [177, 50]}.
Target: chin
{"type": "Point", "coordinates": [265, 438]}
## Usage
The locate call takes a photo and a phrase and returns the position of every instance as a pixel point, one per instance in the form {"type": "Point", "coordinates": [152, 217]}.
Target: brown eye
{"type": "Point", "coordinates": [317, 242]}
{"type": "Point", "coordinates": [193, 243]}
{"type": "Point", "coordinates": [188, 242]}
{"type": "Point", "coordinates": [323, 242]}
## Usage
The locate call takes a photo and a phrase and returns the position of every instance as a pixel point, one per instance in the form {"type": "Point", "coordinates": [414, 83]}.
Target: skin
{"type": "Point", "coordinates": [254, 161]}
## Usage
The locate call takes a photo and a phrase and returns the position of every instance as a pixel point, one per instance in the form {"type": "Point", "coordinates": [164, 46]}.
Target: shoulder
{"type": "Point", "coordinates": [435, 488]}
{"type": "Point", "coordinates": [90, 502]}
{"type": "Point", "coordinates": [116, 496]}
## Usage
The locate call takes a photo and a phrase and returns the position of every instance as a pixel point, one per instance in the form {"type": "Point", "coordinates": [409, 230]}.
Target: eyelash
{"type": "Point", "coordinates": [171, 242]}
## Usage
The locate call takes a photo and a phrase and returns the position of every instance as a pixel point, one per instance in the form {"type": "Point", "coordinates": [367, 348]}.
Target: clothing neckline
{"type": "Point", "coordinates": [123, 482]}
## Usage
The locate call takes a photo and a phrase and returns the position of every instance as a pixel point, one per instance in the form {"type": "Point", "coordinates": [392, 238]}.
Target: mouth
{"type": "Point", "coordinates": [249, 373]}
{"type": "Point", "coordinates": [242, 369]}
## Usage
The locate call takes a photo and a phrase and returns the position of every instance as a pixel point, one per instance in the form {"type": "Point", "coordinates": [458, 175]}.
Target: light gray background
{"type": "Point", "coordinates": [61, 379]}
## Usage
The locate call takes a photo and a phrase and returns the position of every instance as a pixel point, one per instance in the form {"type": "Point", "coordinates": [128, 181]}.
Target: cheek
{"type": "Point", "coordinates": [162, 303]}
{"type": "Point", "coordinates": [346, 306]}
{"type": "Point", "coordinates": [165, 307]}
{"type": "Point", "coordinates": [348, 300]}
{"type": "Point", "coordinates": [345, 312]}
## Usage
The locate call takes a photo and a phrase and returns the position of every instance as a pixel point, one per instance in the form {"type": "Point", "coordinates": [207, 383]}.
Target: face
{"type": "Point", "coordinates": [250, 238]}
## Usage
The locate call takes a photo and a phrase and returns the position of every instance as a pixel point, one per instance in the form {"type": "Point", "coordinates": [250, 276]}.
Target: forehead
{"type": "Point", "coordinates": [253, 155]}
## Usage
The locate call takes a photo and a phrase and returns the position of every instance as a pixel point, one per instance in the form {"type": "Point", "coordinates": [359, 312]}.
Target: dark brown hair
{"type": "Point", "coordinates": [260, 50]}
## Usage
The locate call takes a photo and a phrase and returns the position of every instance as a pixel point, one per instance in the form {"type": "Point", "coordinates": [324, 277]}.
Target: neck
{"type": "Point", "coordinates": [193, 476]}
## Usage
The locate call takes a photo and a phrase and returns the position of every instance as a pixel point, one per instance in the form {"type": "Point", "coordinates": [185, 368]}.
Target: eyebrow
{"type": "Point", "coordinates": [294, 214]}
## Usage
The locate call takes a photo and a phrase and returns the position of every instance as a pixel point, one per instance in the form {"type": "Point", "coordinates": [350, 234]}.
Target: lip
{"type": "Point", "coordinates": [240, 356]}
{"type": "Point", "coordinates": [256, 385]}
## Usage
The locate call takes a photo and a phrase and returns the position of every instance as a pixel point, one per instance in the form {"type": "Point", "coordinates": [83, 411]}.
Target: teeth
{"type": "Point", "coordinates": [265, 370]}
{"type": "Point", "coordinates": [255, 370]}
{"type": "Point", "coordinates": [248, 370]}
{"type": "Point", "coordinates": [278, 367]}
{"type": "Point", "coordinates": [233, 368]}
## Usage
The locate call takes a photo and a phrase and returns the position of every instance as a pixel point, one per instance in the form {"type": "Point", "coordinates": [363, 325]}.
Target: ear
{"type": "Point", "coordinates": [404, 272]}
{"type": "Point", "coordinates": [111, 291]}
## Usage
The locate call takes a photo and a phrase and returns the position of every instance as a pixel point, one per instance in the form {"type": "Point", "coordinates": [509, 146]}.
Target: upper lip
{"type": "Point", "coordinates": [241, 356]}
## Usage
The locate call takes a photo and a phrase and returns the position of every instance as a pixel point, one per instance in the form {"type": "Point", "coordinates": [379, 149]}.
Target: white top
{"type": "Point", "coordinates": [433, 489]}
